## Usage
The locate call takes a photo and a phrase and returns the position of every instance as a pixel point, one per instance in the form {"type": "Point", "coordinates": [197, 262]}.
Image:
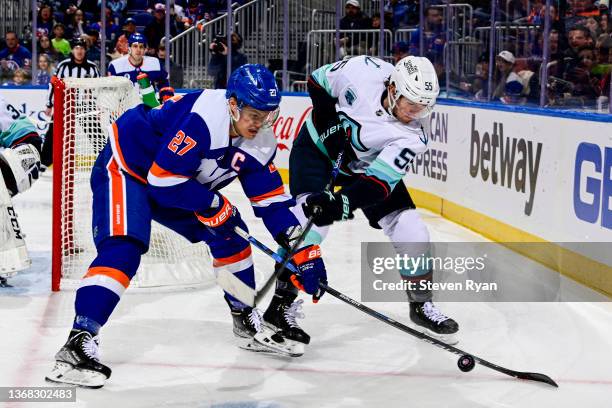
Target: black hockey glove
{"type": "Point", "coordinates": [325, 208]}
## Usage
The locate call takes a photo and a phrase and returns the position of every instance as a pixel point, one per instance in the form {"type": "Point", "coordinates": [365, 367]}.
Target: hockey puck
{"type": "Point", "coordinates": [466, 363]}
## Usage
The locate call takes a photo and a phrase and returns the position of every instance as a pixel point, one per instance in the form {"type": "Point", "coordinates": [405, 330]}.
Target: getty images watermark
{"type": "Point", "coordinates": [415, 270]}
{"type": "Point", "coordinates": [473, 272]}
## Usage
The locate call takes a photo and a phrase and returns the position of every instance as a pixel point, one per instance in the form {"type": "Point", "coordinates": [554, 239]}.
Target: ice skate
{"type": "Point", "coordinates": [255, 336]}
{"type": "Point", "coordinates": [281, 316]}
{"type": "Point", "coordinates": [429, 320]}
{"type": "Point", "coordinates": [78, 362]}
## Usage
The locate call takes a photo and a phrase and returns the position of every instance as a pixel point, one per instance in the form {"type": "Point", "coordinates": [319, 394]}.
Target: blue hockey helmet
{"type": "Point", "coordinates": [255, 86]}
{"type": "Point", "coordinates": [137, 38]}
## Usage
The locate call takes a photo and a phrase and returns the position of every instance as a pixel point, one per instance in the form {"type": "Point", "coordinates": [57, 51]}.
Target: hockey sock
{"type": "Point", "coordinates": [106, 280]}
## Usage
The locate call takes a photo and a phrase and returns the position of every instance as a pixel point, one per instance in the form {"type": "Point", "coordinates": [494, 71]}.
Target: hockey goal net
{"type": "Point", "coordinates": [84, 108]}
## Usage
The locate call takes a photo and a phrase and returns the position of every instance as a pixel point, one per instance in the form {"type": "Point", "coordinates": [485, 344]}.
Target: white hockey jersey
{"type": "Point", "coordinates": [383, 146]}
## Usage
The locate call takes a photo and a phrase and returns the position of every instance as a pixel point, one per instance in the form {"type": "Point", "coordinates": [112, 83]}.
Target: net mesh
{"type": "Point", "coordinates": [90, 105]}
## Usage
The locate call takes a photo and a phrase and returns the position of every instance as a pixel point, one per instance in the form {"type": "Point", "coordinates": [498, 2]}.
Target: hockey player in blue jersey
{"type": "Point", "coordinates": [168, 164]}
{"type": "Point", "coordinates": [136, 62]}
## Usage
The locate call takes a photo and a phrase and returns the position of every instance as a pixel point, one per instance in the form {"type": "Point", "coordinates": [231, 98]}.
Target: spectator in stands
{"type": "Point", "coordinates": [374, 40]}
{"type": "Point", "coordinates": [176, 71]}
{"type": "Point", "coordinates": [154, 31]}
{"type": "Point", "coordinates": [433, 34]}
{"type": "Point", "coordinates": [45, 21]}
{"type": "Point", "coordinates": [77, 25]}
{"type": "Point", "coordinates": [579, 37]}
{"type": "Point", "coordinates": [129, 28]}
{"type": "Point", "coordinates": [94, 50]}
{"type": "Point", "coordinates": [112, 29]}
{"type": "Point", "coordinates": [14, 52]}
{"type": "Point", "coordinates": [117, 7]}
{"type": "Point", "coordinates": [593, 26]}
{"type": "Point", "coordinates": [43, 77]}
{"type": "Point", "coordinates": [59, 42]}
{"type": "Point", "coordinates": [193, 13]}
{"type": "Point", "coordinates": [217, 66]}
{"type": "Point", "coordinates": [585, 85]}
{"type": "Point", "coordinates": [405, 13]}
{"type": "Point", "coordinates": [20, 77]}
{"type": "Point", "coordinates": [400, 50]}
{"type": "Point", "coordinates": [354, 19]}
{"type": "Point", "coordinates": [212, 8]}
{"type": "Point", "coordinates": [45, 47]}
{"type": "Point", "coordinates": [514, 90]}
{"type": "Point", "coordinates": [504, 64]}
{"type": "Point", "coordinates": [479, 85]}
{"type": "Point", "coordinates": [86, 6]}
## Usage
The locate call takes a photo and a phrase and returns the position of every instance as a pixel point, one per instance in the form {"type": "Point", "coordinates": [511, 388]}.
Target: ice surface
{"type": "Point", "coordinates": [177, 349]}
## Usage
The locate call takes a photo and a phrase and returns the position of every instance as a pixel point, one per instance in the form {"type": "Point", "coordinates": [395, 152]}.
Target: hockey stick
{"type": "Point", "coordinates": [298, 242]}
{"type": "Point", "coordinates": [466, 361]}
{"type": "Point", "coordinates": [244, 293]}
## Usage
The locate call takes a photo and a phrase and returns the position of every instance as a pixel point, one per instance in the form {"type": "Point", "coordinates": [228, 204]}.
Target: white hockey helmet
{"type": "Point", "coordinates": [415, 79]}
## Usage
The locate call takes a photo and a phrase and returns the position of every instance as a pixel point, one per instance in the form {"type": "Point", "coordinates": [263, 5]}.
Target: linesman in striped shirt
{"type": "Point", "coordinates": [76, 66]}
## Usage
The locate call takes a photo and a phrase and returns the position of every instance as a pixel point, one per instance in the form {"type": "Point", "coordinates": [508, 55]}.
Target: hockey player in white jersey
{"type": "Point", "coordinates": [377, 115]}
{"type": "Point", "coordinates": [20, 146]}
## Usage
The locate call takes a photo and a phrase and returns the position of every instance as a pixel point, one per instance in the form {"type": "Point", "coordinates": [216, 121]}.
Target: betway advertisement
{"type": "Point", "coordinates": [547, 176]}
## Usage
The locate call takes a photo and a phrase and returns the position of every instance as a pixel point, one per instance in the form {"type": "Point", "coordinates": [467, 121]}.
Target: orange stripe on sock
{"type": "Point", "coordinates": [112, 273]}
{"type": "Point", "coordinates": [273, 193]}
{"type": "Point", "coordinates": [244, 254]}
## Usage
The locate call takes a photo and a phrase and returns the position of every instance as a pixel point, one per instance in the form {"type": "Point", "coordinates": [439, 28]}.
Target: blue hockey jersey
{"type": "Point", "coordinates": [183, 152]}
{"type": "Point", "coordinates": [150, 65]}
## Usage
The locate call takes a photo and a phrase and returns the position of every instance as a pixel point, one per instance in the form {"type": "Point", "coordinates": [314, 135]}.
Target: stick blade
{"type": "Point", "coordinates": [537, 377]}
{"type": "Point", "coordinates": [235, 287]}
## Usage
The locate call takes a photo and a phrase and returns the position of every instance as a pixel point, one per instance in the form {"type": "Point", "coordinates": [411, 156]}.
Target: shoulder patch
{"type": "Point", "coordinates": [350, 96]}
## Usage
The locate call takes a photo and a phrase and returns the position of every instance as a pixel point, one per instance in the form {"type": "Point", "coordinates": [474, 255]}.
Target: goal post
{"type": "Point", "coordinates": [83, 110]}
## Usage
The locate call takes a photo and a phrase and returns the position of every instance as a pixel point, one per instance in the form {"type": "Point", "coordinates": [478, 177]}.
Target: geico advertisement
{"type": "Point", "coordinates": [592, 194]}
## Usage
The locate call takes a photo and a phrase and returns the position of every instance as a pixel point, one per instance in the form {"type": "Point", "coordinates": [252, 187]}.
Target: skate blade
{"type": "Point", "coordinates": [64, 373]}
{"type": "Point", "coordinates": [450, 339]}
{"type": "Point", "coordinates": [268, 341]}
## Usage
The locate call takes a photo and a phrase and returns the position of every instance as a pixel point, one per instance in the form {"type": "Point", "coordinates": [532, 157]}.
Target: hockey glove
{"type": "Point", "coordinates": [20, 166]}
{"type": "Point", "coordinates": [312, 271]}
{"type": "Point", "coordinates": [220, 219]}
{"type": "Point", "coordinates": [325, 208]}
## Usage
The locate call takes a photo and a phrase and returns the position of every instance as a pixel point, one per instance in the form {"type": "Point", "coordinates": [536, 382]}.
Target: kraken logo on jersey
{"type": "Point", "coordinates": [353, 130]}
